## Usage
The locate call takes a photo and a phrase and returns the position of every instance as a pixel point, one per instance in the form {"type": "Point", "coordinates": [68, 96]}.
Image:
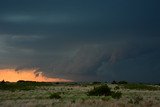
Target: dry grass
{"type": "Point", "coordinates": [75, 96]}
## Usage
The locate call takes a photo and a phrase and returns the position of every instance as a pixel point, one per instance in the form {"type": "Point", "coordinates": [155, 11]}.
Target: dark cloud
{"type": "Point", "coordinates": [82, 40]}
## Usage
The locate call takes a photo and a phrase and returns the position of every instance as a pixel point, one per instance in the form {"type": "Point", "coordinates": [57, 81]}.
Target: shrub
{"type": "Point", "coordinates": [100, 91]}
{"type": "Point", "coordinates": [2, 82]}
{"type": "Point", "coordinates": [96, 82]}
{"type": "Point", "coordinates": [104, 90]}
{"type": "Point", "coordinates": [116, 88]}
{"type": "Point", "coordinates": [122, 82]}
{"type": "Point", "coordinates": [113, 82]}
{"type": "Point", "coordinates": [55, 96]}
{"type": "Point", "coordinates": [116, 95]}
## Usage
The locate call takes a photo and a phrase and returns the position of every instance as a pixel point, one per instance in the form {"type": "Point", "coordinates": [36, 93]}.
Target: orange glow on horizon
{"type": "Point", "coordinates": [27, 75]}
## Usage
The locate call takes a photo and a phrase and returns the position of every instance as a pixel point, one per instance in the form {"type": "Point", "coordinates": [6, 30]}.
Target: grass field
{"type": "Point", "coordinates": [32, 94]}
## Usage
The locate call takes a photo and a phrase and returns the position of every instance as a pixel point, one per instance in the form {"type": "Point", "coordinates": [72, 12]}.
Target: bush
{"type": "Point", "coordinates": [122, 82]}
{"type": "Point", "coordinates": [113, 82]}
{"type": "Point", "coordinates": [96, 82]}
{"type": "Point", "coordinates": [2, 82]}
{"type": "Point", "coordinates": [116, 95]}
{"type": "Point", "coordinates": [102, 90]}
{"type": "Point", "coordinates": [55, 96]}
{"type": "Point", "coordinates": [116, 88]}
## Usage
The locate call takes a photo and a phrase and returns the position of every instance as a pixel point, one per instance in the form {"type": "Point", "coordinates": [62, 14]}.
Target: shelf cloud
{"type": "Point", "coordinates": [82, 40]}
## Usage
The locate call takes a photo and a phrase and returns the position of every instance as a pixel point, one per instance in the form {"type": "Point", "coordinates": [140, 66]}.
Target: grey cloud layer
{"type": "Point", "coordinates": [82, 40]}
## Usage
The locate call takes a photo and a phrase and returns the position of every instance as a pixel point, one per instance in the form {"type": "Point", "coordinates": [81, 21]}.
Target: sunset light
{"type": "Point", "coordinates": [12, 75]}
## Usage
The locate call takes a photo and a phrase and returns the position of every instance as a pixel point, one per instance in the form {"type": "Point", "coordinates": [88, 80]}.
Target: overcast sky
{"type": "Point", "coordinates": [82, 40]}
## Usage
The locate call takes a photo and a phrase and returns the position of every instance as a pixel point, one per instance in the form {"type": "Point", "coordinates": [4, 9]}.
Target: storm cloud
{"type": "Point", "coordinates": [82, 40]}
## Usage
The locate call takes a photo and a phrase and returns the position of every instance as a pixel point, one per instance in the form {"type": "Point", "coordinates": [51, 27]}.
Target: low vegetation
{"type": "Point", "coordinates": [140, 87]}
{"type": "Point", "coordinates": [55, 96]}
{"type": "Point", "coordinates": [15, 86]}
{"type": "Point", "coordinates": [119, 82]}
{"type": "Point", "coordinates": [136, 99]}
{"type": "Point", "coordinates": [116, 95]}
{"type": "Point", "coordinates": [22, 85]}
{"type": "Point", "coordinates": [96, 94]}
{"type": "Point", "coordinates": [104, 90]}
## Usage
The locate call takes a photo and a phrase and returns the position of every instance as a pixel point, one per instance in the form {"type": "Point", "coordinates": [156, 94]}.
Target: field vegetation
{"type": "Point", "coordinates": [72, 94]}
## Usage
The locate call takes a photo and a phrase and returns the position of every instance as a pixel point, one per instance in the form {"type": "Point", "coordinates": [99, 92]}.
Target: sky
{"type": "Point", "coordinates": [82, 40]}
